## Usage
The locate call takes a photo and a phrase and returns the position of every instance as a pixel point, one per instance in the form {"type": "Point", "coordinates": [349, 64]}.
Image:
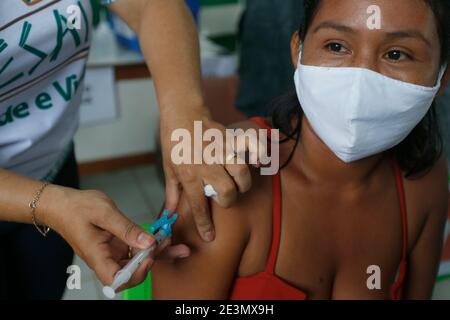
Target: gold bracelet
{"type": "Point", "coordinates": [44, 230]}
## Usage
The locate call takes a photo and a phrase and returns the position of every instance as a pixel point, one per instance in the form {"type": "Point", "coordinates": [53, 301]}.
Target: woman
{"type": "Point", "coordinates": [44, 45]}
{"type": "Point", "coordinates": [358, 209]}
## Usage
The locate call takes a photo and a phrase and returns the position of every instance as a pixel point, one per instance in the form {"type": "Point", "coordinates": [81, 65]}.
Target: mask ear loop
{"type": "Point", "coordinates": [300, 51]}
{"type": "Point", "coordinates": [441, 74]}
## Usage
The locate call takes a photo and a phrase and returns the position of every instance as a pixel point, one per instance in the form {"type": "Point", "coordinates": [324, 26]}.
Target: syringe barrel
{"type": "Point", "coordinates": [135, 262]}
{"type": "Point", "coordinates": [125, 274]}
{"type": "Point", "coordinates": [160, 236]}
{"type": "Point", "coordinates": [122, 277]}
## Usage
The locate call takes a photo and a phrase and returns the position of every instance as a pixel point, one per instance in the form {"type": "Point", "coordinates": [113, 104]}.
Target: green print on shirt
{"type": "Point", "coordinates": [62, 31]}
{"type": "Point", "coordinates": [67, 94]}
{"type": "Point", "coordinates": [3, 46]}
{"type": "Point", "coordinates": [14, 112]}
{"type": "Point", "coordinates": [61, 23]}
{"type": "Point", "coordinates": [22, 43]}
{"type": "Point", "coordinates": [43, 101]}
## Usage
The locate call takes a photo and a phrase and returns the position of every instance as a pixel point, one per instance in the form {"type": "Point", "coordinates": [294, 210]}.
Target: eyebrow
{"type": "Point", "coordinates": [416, 34]}
{"type": "Point", "coordinates": [409, 34]}
{"type": "Point", "coordinates": [335, 26]}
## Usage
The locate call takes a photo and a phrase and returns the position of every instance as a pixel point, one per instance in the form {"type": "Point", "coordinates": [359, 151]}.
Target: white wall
{"type": "Point", "coordinates": [134, 132]}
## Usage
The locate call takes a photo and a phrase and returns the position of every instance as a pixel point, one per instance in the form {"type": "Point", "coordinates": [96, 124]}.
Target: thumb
{"type": "Point", "coordinates": [127, 231]}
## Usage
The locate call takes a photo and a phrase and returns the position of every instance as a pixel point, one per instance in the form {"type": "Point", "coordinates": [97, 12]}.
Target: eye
{"type": "Point", "coordinates": [397, 55]}
{"type": "Point", "coordinates": [336, 47]}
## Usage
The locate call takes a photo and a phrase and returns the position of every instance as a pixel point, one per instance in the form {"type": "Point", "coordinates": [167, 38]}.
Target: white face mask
{"type": "Point", "coordinates": [357, 112]}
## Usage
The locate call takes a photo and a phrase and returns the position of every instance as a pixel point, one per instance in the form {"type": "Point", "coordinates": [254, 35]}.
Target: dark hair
{"type": "Point", "coordinates": [423, 146]}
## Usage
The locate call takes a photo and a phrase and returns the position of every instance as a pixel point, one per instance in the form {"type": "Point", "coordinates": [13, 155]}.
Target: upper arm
{"type": "Point", "coordinates": [210, 270]}
{"type": "Point", "coordinates": [425, 257]}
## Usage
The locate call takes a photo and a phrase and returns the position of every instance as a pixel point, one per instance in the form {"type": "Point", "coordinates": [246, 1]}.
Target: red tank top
{"type": "Point", "coordinates": [266, 285]}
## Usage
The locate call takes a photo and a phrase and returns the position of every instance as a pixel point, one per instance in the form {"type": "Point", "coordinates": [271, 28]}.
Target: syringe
{"type": "Point", "coordinates": [164, 227]}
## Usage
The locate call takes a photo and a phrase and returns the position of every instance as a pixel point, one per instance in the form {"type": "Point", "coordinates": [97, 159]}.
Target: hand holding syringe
{"type": "Point", "coordinates": [163, 228]}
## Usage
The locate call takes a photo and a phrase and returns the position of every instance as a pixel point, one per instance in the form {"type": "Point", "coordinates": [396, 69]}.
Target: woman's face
{"type": "Point", "coordinates": [406, 47]}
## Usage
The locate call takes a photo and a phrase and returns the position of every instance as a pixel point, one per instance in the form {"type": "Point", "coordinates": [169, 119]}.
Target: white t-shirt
{"type": "Point", "coordinates": [42, 66]}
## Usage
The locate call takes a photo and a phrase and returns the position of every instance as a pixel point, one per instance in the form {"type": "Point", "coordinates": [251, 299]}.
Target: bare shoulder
{"type": "Point", "coordinates": [235, 222]}
{"type": "Point", "coordinates": [429, 191]}
{"type": "Point", "coordinates": [427, 203]}
{"type": "Point", "coordinates": [209, 271]}
{"type": "Point", "coordinates": [233, 225]}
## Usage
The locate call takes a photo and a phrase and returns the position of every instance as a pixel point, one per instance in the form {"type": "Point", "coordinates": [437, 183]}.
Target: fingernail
{"type": "Point", "coordinates": [145, 239]}
{"type": "Point", "coordinates": [208, 236]}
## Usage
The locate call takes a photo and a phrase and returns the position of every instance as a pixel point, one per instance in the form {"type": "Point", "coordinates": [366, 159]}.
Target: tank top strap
{"type": "Point", "coordinates": [260, 121]}
{"type": "Point", "coordinates": [396, 290]}
{"type": "Point", "coordinates": [403, 209]}
{"type": "Point", "coordinates": [276, 199]}
{"type": "Point", "coordinates": [276, 224]}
